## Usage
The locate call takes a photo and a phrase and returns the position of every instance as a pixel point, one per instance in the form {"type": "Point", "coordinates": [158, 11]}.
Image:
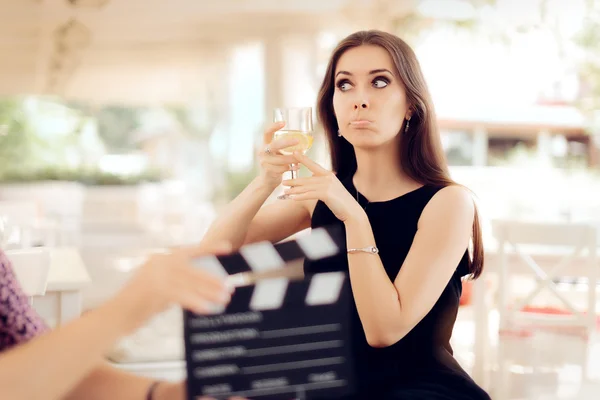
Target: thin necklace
{"type": "Point", "coordinates": [358, 201]}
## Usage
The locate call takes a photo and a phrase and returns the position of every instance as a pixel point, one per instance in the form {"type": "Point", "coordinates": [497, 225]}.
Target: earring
{"type": "Point", "coordinates": [407, 124]}
{"type": "Point", "coordinates": [339, 133]}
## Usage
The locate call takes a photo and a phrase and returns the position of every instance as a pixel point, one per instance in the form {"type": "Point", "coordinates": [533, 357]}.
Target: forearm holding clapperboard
{"type": "Point", "coordinates": [282, 336]}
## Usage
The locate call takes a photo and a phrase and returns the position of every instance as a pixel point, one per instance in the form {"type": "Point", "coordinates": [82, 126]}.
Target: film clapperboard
{"type": "Point", "coordinates": [280, 337]}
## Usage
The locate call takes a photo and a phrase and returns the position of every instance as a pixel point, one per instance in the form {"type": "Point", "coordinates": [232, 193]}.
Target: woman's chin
{"type": "Point", "coordinates": [366, 140]}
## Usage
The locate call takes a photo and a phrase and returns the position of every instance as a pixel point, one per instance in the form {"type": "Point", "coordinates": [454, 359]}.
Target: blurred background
{"type": "Point", "coordinates": [126, 125]}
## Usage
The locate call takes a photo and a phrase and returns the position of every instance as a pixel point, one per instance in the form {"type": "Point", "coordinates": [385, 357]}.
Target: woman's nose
{"type": "Point", "coordinates": [361, 104]}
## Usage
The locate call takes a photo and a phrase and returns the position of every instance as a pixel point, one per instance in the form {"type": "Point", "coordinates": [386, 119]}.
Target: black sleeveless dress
{"type": "Point", "coordinates": [421, 364]}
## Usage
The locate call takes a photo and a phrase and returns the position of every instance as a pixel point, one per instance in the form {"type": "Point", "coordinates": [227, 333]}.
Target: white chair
{"type": "Point", "coordinates": [33, 226]}
{"type": "Point", "coordinates": [22, 212]}
{"type": "Point", "coordinates": [31, 267]}
{"type": "Point", "coordinates": [22, 215]}
{"type": "Point", "coordinates": [534, 247]}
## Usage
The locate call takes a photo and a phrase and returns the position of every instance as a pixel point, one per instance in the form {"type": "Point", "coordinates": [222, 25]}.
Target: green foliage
{"type": "Point", "coordinates": [22, 175]}
{"type": "Point", "coordinates": [237, 181]}
{"type": "Point", "coordinates": [17, 141]}
{"type": "Point", "coordinates": [115, 125]}
{"type": "Point", "coordinates": [88, 177]}
{"type": "Point", "coordinates": [26, 157]}
{"type": "Point", "coordinates": [96, 177]}
{"type": "Point", "coordinates": [191, 121]}
{"type": "Point", "coordinates": [22, 146]}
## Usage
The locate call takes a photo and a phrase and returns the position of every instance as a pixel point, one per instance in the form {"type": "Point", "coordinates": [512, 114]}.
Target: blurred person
{"type": "Point", "coordinates": [407, 225]}
{"type": "Point", "coordinates": [66, 363]}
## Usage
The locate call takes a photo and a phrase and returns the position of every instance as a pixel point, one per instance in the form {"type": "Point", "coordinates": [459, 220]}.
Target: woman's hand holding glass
{"type": "Point", "coordinates": [298, 127]}
{"type": "Point", "coordinates": [273, 163]}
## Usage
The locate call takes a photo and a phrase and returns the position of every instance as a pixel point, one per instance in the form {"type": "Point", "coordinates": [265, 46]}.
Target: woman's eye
{"type": "Point", "coordinates": [344, 85]}
{"type": "Point", "coordinates": [380, 83]}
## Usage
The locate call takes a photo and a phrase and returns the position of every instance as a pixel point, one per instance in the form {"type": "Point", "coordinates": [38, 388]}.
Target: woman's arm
{"type": "Point", "coordinates": [107, 382]}
{"type": "Point", "coordinates": [244, 220]}
{"type": "Point", "coordinates": [14, 306]}
{"type": "Point", "coordinates": [58, 361]}
{"type": "Point", "coordinates": [389, 310]}
{"type": "Point", "coordinates": [102, 383]}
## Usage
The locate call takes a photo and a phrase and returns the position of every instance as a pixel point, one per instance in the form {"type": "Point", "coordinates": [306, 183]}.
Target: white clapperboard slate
{"type": "Point", "coordinates": [279, 338]}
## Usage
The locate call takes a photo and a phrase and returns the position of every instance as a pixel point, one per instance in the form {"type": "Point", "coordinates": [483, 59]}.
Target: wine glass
{"type": "Point", "coordinates": [299, 126]}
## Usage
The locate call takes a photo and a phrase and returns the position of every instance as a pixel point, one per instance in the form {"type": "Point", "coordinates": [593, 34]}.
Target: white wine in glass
{"type": "Point", "coordinates": [305, 141]}
{"type": "Point", "coordinates": [299, 126]}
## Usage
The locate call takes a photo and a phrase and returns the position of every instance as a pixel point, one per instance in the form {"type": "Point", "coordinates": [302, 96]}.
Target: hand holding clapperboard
{"type": "Point", "coordinates": [281, 336]}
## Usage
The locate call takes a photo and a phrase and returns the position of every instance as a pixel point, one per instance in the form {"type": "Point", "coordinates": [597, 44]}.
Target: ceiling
{"type": "Point", "coordinates": [148, 50]}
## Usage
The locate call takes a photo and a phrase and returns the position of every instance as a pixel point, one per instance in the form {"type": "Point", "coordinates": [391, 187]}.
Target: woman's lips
{"type": "Point", "coordinates": [361, 123]}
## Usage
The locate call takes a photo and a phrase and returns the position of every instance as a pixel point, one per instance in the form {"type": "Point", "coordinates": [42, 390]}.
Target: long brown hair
{"type": "Point", "coordinates": [421, 153]}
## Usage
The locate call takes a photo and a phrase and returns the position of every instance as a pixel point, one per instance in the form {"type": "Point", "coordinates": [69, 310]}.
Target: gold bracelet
{"type": "Point", "coordinates": [368, 249]}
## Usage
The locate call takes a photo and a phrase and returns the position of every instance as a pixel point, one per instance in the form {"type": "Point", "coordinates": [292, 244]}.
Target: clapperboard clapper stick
{"type": "Point", "coordinates": [282, 336]}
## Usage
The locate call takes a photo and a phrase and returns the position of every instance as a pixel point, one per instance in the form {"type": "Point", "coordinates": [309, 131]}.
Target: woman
{"type": "Point", "coordinates": [407, 225]}
{"type": "Point", "coordinates": [67, 362]}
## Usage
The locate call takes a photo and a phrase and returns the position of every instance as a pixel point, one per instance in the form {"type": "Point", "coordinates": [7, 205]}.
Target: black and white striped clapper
{"type": "Point", "coordinates": [279, 338]}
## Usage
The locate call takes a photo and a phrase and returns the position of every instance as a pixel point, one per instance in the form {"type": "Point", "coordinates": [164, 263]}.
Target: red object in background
{"type": "Point", "coordinates": [554, 311]}
{"type": "Point", "coordinates": [467, 293]}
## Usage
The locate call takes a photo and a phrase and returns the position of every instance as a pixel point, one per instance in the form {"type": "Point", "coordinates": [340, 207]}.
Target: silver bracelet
{"type": "Point", "coordinates": [368, 249]}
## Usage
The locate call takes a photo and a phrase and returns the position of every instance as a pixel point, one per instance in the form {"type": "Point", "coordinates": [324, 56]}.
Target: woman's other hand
{"type": "Point", "coordinates": [325, 186]}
